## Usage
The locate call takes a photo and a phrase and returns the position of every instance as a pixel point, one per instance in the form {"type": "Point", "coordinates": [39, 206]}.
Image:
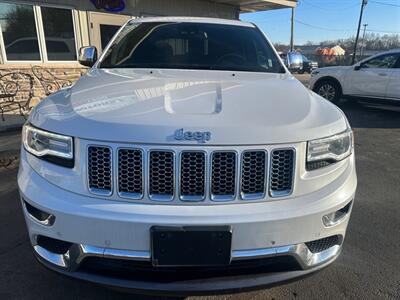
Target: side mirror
{"type": "Point", "coordinates": [87, 56]}
{"type": "Point", "coordinates": [294, 61]}
{"type": "Point", "coordinates": [357, 67]}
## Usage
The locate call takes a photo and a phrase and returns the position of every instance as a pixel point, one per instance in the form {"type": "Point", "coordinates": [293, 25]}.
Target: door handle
{"type": "Point", "coordinates": [382, 74]}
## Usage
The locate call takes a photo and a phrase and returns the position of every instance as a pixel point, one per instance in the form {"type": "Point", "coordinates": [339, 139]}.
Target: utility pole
{"type": "Point", "coordinates": [363, 4]}
{"type": "Point", "coordinates": [292, 31]}
{"type": "Point", "coordinates": [363, 40]}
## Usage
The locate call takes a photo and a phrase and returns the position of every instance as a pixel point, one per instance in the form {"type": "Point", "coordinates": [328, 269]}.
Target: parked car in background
{"type": "Point", "coordinates": [308, 65]}
{"type": "Point", "coordinates": [57, 48]}
{"type": "Point", "coordinates": [186, 162]}
{"type": "Point", "coordinates": [376, 77]}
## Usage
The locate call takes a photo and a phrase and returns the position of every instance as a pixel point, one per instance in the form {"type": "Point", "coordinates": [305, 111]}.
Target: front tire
{"type": "Point", "coordinates": [329, 89]}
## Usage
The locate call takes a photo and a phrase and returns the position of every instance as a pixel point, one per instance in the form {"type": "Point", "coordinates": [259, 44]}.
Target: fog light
{"type": "Point", "coordinates": [38, 215]}
{"type": "Point", "coordinates": [53, 245]}
{"type": "Point", "coordinates": [336, 217]}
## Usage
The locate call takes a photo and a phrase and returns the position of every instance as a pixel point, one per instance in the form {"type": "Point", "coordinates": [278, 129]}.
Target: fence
{"type": "Point", "coordinates": [23, 86]}
{"type": "Point", "coordinates": [334, 60]}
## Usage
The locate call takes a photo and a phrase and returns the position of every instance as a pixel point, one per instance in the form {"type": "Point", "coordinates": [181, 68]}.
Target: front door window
{"type": "Point", "coordinates": [381, 62]}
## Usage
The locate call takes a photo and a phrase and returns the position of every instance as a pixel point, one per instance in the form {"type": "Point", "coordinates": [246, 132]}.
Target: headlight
{"type": "Point", "coordinates": [314, 73]}
{"type": "Point", "coordinates": [323, 152]}
{"type": "Point", "coordinates": [49, 146]}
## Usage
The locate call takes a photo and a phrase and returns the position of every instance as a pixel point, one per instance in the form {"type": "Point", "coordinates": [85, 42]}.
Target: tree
{"type": "Point", "coordinates": [373, 41]}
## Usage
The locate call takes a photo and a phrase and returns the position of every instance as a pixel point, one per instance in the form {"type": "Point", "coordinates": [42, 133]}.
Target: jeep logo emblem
{"type": "Point", "coordinates": [199, 136]}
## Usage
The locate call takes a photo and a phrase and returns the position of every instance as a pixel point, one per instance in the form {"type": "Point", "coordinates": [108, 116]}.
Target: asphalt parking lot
{"type": "Point", "coordinates": [368, 268]}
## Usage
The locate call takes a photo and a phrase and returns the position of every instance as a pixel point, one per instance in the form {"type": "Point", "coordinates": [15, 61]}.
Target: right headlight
{"type": "Point", "coordinates": [49, 146]}
{"type": "Point", "coordinates": [325, 151]}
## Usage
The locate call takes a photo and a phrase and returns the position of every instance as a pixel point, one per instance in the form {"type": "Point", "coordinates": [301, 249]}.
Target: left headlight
{"type": "Point", "coordinates": [314, 73]}
{"type": "Point", "coordinates": [325, 151]}
{"type": "Point", "coordinates": [55, 148]}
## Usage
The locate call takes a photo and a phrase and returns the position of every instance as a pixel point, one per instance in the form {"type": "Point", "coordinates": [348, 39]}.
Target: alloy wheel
{"type": "Point", "coordinates": [327, 91]}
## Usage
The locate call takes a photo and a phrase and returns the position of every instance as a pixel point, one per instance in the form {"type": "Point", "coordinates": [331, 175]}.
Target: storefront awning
{"type": "Point", "coordinates": [258, 5]}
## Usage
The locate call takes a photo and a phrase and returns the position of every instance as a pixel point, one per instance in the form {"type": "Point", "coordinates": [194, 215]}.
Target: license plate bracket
{"type": "Point", "coordinates": [191, 245]}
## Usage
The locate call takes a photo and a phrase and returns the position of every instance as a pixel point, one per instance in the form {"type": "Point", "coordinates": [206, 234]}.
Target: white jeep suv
{"type": "Point", "coordinates": [187, 160]}
{"type": "Point", "coordinates": [376, 77]}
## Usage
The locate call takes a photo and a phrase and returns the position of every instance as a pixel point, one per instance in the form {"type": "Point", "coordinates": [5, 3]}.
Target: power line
{"type": "Point", "coordinates": [322, 28]}
{"type": "Point", "coordinates": [384, 3]}
{"type": "Point", "coordinates": [330, 8]}
{"type": "Point", "coordinates": [343, 30]}
{"type": "Point", "coordinates": [383, 31]}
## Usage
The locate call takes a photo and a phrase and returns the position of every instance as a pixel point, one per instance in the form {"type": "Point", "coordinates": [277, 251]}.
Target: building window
{"type": "Point", "coordinates": [19, 32]}
{"type": "Point", "coordinates": [59, 34]}
{"type": "Point", "coordinates": [33, 33]}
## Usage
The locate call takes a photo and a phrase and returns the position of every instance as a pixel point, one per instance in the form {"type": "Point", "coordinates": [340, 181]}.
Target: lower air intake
{"type": "Point", "coordinates": [324, 244]}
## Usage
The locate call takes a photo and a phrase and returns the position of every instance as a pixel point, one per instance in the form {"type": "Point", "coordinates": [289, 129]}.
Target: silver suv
{"type": "Point", "coordinates": [187, 160]}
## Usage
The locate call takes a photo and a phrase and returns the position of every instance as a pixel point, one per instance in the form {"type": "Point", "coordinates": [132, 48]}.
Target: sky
{"type": "Point", "coordinates": [319, 20]}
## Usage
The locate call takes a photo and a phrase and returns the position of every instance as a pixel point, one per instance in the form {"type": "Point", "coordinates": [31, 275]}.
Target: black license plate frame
{"type": "Point", "coordinates": [180, 246]}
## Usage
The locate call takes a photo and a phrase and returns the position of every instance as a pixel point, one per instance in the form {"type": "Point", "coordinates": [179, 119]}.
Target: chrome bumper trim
{"type": "Point", "coordinates": [303, 255]}
{"type": "Point", "coordinates": [60, 260]}
{"type": "Point", "coordinates": [77, 253]}
{"type": "Point", "coordinates": [49, 221]}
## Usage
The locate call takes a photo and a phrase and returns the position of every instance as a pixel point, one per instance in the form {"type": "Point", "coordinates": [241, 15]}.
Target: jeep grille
{"type": "Point", "coordinates": [223, 175]}
{"type": "Point", "coordinates": [130, 173]}
{"type": "Point", "coordinates": [253, 174]}
{"type": "Point", "coordinates": [191, 175]}
{"type": "Point", "coordinates": [161, 175]}
{"type": "Point", "coordinates": [281, 178]}
{"type": "Point", "coordinates": [99, 170]}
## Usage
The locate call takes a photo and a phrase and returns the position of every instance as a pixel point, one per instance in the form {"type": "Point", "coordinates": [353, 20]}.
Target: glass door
{"type": "Point", "coordinates": [103, 27]}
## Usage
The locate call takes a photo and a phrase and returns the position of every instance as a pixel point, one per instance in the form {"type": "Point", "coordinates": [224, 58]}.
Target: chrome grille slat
{"type": "Point", "coordinates": [253, 174]}
{"type": "Point", "coordinates": [192, 175]}
{"type": "Point", "coordinates": [161, 175]}
{"type": "Point", "coordinates": [281, 172]}
{"type": "Point", "coordinates": [130, 173]}
{"type": "Point", "coordinates": [223, 175]}
{"type": "Point", "coordinates": [100, 170]}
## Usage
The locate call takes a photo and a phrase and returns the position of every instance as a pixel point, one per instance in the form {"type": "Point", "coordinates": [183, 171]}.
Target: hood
{"type": "Point", "coordinates": [144, 106]}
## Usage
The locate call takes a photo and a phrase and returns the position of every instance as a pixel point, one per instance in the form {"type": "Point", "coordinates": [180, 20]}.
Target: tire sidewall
{"type": "Point", "coordinates": [335, 85]}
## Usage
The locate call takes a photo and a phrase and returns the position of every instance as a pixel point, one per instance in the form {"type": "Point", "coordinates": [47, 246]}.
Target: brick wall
{"type": "Point", "coordinates": [22, 86]}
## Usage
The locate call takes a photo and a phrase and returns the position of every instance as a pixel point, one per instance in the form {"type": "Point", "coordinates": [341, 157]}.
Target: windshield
{"type": "Point", "coordinates": [191, 46]}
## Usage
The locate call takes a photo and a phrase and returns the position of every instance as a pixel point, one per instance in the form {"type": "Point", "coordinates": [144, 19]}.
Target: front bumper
{"type": "Point", "coordinates": [119, 231]}
{"type": "Point", "coordinates": [187, 283]}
